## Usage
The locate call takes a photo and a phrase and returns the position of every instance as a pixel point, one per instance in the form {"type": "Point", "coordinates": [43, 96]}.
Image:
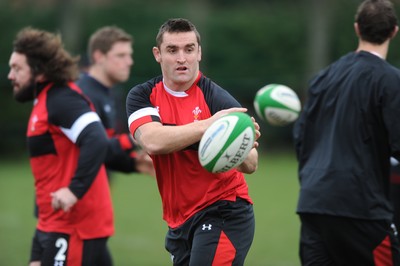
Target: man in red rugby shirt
{"type": "Point", "coordinates": [67, 146]}
{"type": "Point", "coordinates": [210, 216]}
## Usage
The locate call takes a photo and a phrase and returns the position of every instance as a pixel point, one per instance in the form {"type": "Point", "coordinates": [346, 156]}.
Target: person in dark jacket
{"type": "Point", "coordinates": [344, 138]}
{"type": "Point", "coordinates": [110, 54]}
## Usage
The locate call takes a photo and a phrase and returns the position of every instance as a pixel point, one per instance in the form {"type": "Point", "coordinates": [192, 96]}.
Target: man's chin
{"type": "Point", "coordinates": [21, 99]}
{"type": "Point", "coordinates": [122, 79]}
{"type": "Point", "coordinates": [25, 95]}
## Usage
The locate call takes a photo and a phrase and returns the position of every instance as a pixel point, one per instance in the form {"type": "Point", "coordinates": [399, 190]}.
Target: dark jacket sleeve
{"type": "Point", "coordinates": [119, 159]}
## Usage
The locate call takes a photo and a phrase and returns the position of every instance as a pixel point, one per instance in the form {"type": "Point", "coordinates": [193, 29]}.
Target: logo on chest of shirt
{"type": "Point", "coordinates": [196, 112]}
{"type": "Point", "coordinates": [107, 108]}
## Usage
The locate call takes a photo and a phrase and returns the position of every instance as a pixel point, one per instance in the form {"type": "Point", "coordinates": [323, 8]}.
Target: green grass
{"type": "Point", "coordinates": [140, 230]}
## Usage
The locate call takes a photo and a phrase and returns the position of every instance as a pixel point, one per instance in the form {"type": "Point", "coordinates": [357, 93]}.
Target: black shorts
{"type": "Point", "coordinates": [63, 249]}
{"type": "Point", "coordinates": [221, 234]}
{"type": "Point", "coordinates": [332, 240]}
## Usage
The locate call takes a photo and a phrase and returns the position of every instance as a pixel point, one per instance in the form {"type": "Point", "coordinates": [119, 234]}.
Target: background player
{"type": "Point", "coordinates": [110, 52]}
{"type": "Point", "coordinates": [67, 146]}
{"type": "Point", "coordinates": [349, 128]}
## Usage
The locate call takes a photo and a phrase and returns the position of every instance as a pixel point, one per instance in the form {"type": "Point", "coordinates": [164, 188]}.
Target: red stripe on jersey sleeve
{"type": "Point", "coordinates": [138, 122]}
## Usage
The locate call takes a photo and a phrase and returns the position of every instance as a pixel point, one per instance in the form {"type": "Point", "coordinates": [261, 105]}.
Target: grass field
{"type": "Point", "coordinates": [140, 230]}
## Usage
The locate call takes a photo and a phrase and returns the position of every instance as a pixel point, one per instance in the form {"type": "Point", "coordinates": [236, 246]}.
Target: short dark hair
{"type": "Point", "coordinates": [376, 20]}
{"type": "Point", "coordinates": [104, 38]}
{"type": "Point", "coordinates": [175, 25]}
{"type": "Point", "coordinates": [46, 55]}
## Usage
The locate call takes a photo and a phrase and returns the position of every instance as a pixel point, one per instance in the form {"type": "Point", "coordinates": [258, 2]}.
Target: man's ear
{"type": "Point", "coordinates": [356, 29]}
{"type": "Point", "coordinates": [157, 54]}
{"type": "Point", "coordinates": [97, 56]}
{"type": "Point", "coordinates": [395, 31]}
{"type": "Point", "coordinates": [199, 56]}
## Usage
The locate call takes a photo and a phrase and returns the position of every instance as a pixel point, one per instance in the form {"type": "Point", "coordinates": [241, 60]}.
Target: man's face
{"type": "Point", "coordinates": [179, 56]}
{"type": "Point", "coordinates": [117, 62]}
{"type": "Point", "coordinates": [21, 77]}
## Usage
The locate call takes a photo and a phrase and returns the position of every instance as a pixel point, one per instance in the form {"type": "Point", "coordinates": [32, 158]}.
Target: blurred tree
{"type": "Point", "coordinates": [70, 23]}
{"type": "Point", "coordinates": [318, 24]}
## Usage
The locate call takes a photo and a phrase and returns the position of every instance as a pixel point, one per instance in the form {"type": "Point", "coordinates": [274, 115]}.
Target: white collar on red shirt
{"type": "Point", "coordinates": [175, 93]}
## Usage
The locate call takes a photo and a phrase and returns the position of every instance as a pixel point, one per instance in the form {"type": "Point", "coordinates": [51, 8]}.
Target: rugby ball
{"type": "Point", "coordinates": [227, 142]}
{"type": "Point", "coordinates": [277, 104]}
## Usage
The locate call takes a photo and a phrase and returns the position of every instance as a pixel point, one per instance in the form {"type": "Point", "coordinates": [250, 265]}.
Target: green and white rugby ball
{"type": "Point", "coordinates": [227, 142]}
{"type": "Point", "coordinates": [277, 104]}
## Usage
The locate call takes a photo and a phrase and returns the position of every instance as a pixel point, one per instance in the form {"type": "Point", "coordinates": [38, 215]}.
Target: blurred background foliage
{"type": "Point", "coordinates": [245, 44]}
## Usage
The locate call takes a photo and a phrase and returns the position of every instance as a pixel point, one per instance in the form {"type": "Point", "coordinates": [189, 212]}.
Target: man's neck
{"type": "Point", "coordinates": [98, 74]}
{"type": "Point", "coordinates": [379, 50]}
